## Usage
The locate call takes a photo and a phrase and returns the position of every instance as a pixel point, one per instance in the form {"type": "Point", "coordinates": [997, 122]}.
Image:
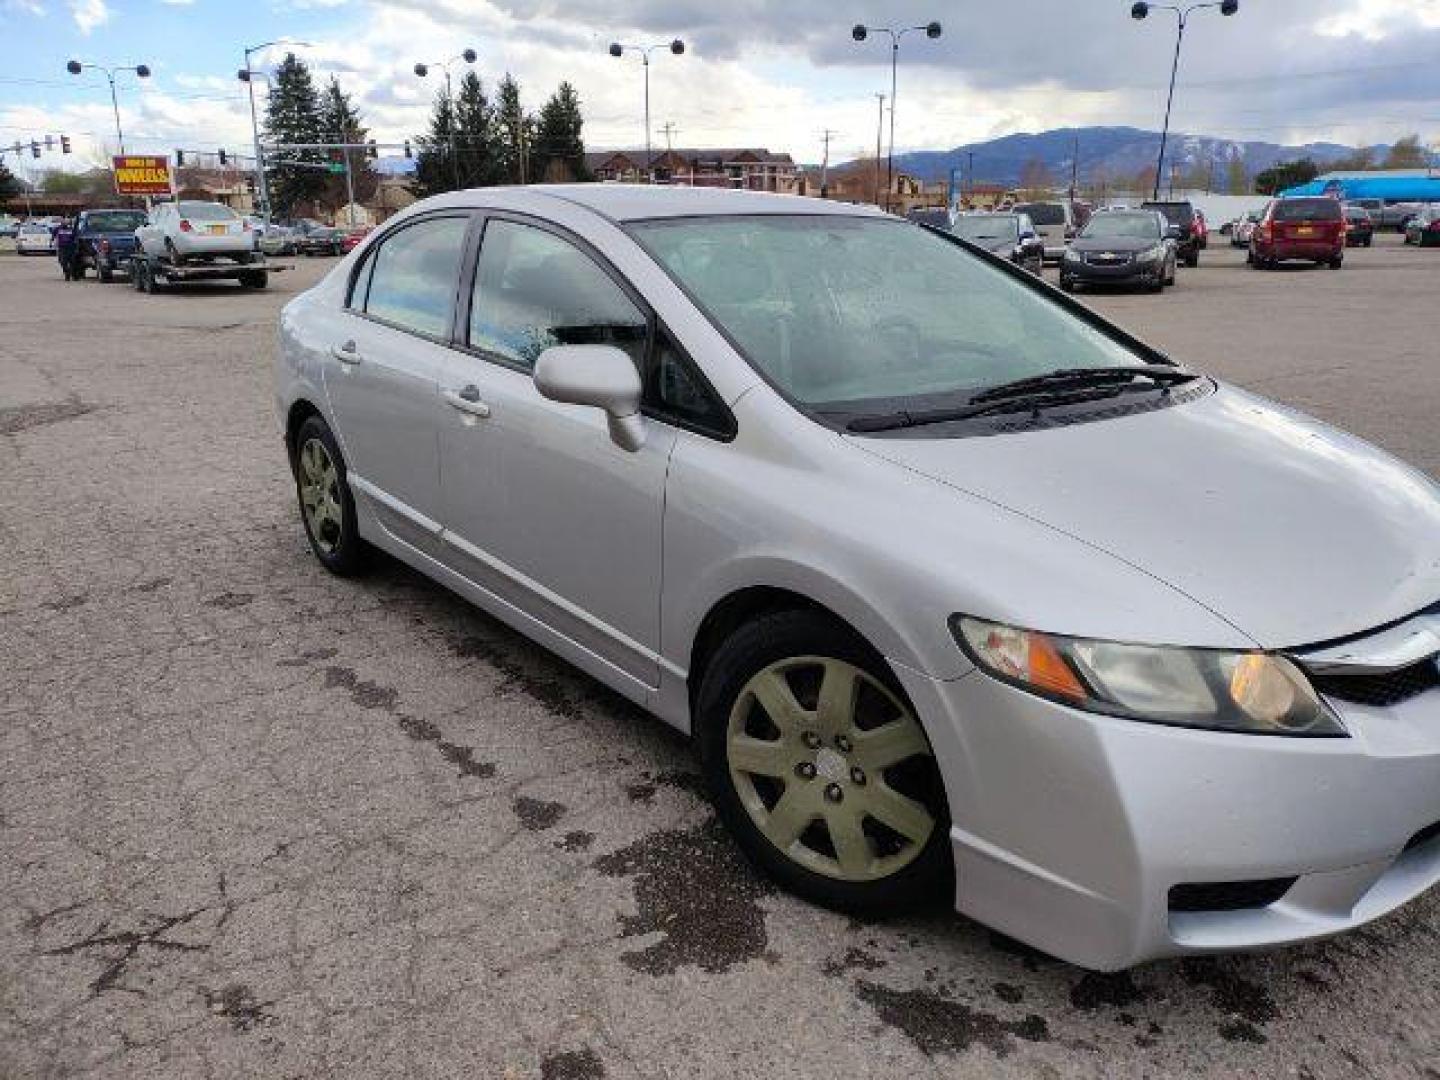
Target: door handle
{"type": "Point", "coordinates": [346, 353]}
{"type": "Point", "coordinates": [467, 400]}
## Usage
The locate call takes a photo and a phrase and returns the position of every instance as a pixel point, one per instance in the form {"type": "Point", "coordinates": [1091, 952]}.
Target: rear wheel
{"type": "Point", "coordinates": [254, 279]}
{"type": "Point", "coordinates": [1067, 285]}
{"type": "Point", "coordinates": [327, 508]}
{"type": "Point", "coordinates": [1192, 261]}
{"type": "Point", "coordinates": [1336, 261]}
{"type": "Point", "coordinates": [820, 767]}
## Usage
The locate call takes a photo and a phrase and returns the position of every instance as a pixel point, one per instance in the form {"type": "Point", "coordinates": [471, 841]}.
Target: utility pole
{"type": "Point", "coordinates": [668, 130]}
{"type": "Point", "coordinates": [825, 137]}
{"type": "Point", "coordinates": [970, 164]}
{"type": "Point", "coordinates": [1074, 168]}
{"type": "Point", "coordinates": [879, 134]}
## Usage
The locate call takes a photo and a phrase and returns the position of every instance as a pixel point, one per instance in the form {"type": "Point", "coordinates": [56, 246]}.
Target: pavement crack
{"type": "Point", "coordinates": [125, 945]}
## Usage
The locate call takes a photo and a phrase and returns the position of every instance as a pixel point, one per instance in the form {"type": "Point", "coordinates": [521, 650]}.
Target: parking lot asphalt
{"type": "Point", "coordinates": [259, 821]}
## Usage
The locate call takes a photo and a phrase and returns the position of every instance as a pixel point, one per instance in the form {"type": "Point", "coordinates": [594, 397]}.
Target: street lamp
{"type": "Point", "coordinates": [142, 71]}
{"type": "Point", "coordinates": [421, 70]}
{"type": "Point", "coordinates": [676, 47]}
{"type": "Point", "coordinates": [1140, 10]}
{"type": "Point", "coordinates": [860, 32]}
{"type": "Point", "coordinates": [247, 75]}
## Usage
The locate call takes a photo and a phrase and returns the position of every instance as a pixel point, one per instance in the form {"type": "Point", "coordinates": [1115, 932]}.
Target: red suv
{"type": "Point", "coordinates": [1302, 228]}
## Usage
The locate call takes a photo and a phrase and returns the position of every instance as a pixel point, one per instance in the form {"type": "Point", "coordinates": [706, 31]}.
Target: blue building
{"type": "Point", "coordinates": [1393, 185]}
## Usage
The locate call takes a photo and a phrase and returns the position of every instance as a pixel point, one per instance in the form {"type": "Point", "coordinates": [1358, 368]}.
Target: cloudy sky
{"type": "Point", "coordinates": [756, 72]}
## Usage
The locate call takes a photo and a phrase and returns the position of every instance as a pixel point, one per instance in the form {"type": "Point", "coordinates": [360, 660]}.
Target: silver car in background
{"type": "Point", "coordinates": [960, 589]}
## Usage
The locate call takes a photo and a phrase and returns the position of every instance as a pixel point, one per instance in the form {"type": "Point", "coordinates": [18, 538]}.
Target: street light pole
{"type": "Point", "coordinates": [879, 130]}
{"type": "Point", "coordinates": [142, 71]}
{"type": "Point", "coordinates": [676, 47]}
{"type": "Point", "coordinates": [860, 32]}
{"type": "Point", "coordinates": [1140, 10]}
{"type": "Point", "coordinates": [422, 69]}
{"type": "Point", "coordinates": [247, 76]}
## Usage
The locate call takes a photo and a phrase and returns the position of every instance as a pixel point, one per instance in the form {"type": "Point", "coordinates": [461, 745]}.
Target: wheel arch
{"type": "Point", "coordinates": [301, 409]}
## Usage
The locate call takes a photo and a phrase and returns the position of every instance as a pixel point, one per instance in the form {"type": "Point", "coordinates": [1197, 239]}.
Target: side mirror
{"type": "Point", "coordinates": [600, 376]}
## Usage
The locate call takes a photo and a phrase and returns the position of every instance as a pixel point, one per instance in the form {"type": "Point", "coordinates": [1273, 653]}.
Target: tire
{"type": "Point", "coordinates": [320, 477]}
{"type": "Point", "coordinates": [1336, 261]}
{"type": "Point", "coordinates": [104, 273]}
{"type": "Point", "coordinates": [1067, 285]}
{"type": "Point", "coordinates": [785, 658]}
{"type": "Point", "coordinates": [1192, 261]}
{"type": "Point", "coordinates": [254, 279]}
{"type": "Point", "coordinates": [1170, 278]}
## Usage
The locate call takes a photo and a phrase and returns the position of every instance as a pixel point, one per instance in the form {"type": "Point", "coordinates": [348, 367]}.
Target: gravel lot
{"type": "Point", "coordinates": [255, 820]}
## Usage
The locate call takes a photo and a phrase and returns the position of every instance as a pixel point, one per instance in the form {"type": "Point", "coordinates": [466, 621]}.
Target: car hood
{"type": "Point", "coordinates": [1291, 531]}
{"type": "Point", "coordinates": [1112, 243]}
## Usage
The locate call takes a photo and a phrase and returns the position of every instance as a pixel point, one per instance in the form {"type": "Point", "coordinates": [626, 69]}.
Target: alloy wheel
{"type": "Point", "coordinates": [320, 496]}
{"type": "Point", "coordinates": [832, 768]}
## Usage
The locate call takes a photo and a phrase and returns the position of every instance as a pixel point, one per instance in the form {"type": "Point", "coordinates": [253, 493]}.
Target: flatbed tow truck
{"type": "Point", "coordinates": [150, 273]}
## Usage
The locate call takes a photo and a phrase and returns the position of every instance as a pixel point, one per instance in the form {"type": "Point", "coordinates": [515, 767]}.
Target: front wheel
{"type": "Point", "coordinates": [820, 768]}
{"type": "Point", "coordinates": [1192, 261]}
{"type": "Point", "coordinates": [327, 507]}
{"type": "Point", "coordinates": [254, 279]}
{"type": "Point", "coordinates": [1066, 285]}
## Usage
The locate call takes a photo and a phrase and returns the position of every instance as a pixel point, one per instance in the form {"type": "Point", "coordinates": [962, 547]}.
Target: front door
{"type": "Point", "coordinates": [382, 371]}
{"type": "Point", "coordinates": [540, 507]}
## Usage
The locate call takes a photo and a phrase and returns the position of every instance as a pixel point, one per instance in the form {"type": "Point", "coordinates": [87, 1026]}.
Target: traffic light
{"type": "Point", "coordinates": [371, 149]}
{"type": "Point", "coordinates": [224, 158]}
{"type": "Point", "coordinates": [179, 159]}
{"type": "Point", "coordinates": [407, 149]}
{"type": "Point", "coordinates": [65, 144]}
{"type": "Point", "coordinates": [34, 148]}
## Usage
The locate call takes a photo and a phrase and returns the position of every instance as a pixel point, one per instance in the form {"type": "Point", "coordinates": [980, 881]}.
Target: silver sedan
{"type": "Point", "coordinates": [962, 591]}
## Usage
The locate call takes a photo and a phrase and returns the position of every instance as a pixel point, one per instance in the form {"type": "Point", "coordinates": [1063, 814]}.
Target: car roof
{"type": "Point", "coordinates": [634, 202]}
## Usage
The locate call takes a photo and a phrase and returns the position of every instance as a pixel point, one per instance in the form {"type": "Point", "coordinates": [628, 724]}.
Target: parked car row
{"type": "Point", "coordinates": [1424, 228]}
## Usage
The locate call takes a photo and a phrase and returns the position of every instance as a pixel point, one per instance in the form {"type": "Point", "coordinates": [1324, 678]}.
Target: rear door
{"type": "Point", "coordinates": [384, 355]}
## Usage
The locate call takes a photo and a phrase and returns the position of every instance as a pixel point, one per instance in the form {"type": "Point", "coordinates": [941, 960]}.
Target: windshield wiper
{"type": "Point", "coordinates": [1032, 403]}
{"type": "Point", "coordinates": [1159, 374]}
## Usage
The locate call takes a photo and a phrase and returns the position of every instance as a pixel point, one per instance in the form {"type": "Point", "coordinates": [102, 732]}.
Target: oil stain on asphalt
{"type": "Point", "coordinates": [937, 1025]}
{"type": "Point", "coordinates": [693, 887]}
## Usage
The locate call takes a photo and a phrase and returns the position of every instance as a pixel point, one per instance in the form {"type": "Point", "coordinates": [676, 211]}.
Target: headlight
{"type": "Point", "coordinates": [1071, 255]}
{"type": "Point", "coordinates": [1254, 692]}
{"type": "Point", "coordinates": [1151, 255]}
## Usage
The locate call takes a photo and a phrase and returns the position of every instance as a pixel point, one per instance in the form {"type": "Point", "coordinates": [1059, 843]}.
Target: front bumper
{"type": "Point", "coordinates": [1070, 829]}
{"type": "Point", "coordinates": [1127, 273]}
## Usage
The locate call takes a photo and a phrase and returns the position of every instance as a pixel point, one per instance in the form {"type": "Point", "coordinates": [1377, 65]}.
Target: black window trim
{"type": "Point", "coordinates": [366, 266]}
{"type": "Point", "coordinates": [655, 327]}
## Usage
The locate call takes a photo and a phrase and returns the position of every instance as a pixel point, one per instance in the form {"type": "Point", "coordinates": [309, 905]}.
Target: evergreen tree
{"type": "Point", "coordinates": [1285, 174]}
{"type": "Point", "coordinates": [515, 134]}
{"type": "Point", "coordinates": [559, 151]}
{"type": "Point", "coordinates": [475, 135]}
{"type": "Point", "coordinates": [340, 121]}
{"type": "Point", "coordinates": [293, 115]}
{"type": "Point", "coordinates": [433, 170]}
{"type": "Point", "coordinates": [9, 183]}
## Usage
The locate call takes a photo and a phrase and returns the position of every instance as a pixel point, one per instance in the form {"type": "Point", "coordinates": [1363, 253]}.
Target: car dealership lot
{"type": "Point", "coordinates": [256, 819]}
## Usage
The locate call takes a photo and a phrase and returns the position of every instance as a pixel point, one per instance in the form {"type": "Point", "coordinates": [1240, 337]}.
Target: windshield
{"type": "Point", "coordinates": [998, 227]}
{"type": "Point", "coordinates": [115, 221]}
{"type": "Point", "coordinates": [206, 211]}
{"type": "Point", "coordinates": [1175, 213]}
{"type": "Point", "coordinates": [1043, 213]}
{"type": "Point", "coordinates": [850, 314]}
{"type": "Point", "coordinates": [1127, 226]}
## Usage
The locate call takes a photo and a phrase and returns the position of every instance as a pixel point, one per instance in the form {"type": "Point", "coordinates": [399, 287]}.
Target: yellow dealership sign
{"type": "Point", "coordinates": [142, 175]}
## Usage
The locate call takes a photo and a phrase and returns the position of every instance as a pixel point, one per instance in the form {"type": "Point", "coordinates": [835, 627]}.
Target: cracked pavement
{"type": "Point", "coordinates": [259, 821]}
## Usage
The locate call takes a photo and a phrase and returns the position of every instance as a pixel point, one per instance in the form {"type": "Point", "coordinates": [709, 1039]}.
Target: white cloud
{"type": "Point", "coordinates": [89, 14]}
{"type": "Point", "coordinates": [1375, 20]}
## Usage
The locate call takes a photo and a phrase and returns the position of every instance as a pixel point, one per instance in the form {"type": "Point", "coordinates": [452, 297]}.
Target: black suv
{"type": "Point", "coordinates": [1182, 216]}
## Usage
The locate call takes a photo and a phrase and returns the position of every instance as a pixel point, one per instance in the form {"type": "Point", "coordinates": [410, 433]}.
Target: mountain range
{"type": "Point", "coordinates": [1113, 152]}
